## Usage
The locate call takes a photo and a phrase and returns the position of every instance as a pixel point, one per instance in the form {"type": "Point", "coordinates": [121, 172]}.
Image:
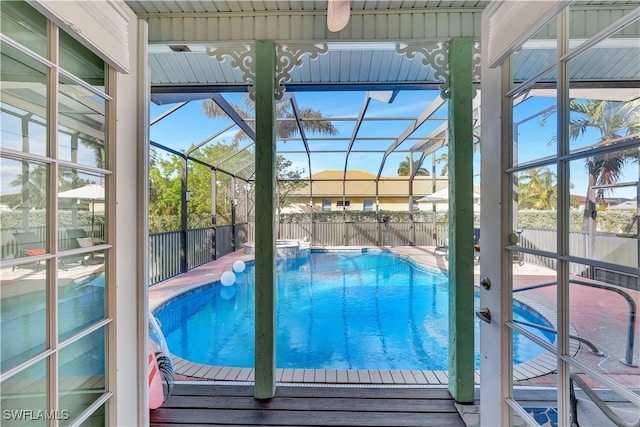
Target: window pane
{"type": "Point", "coordinates": [536, 54]}
{"type": "Point", "coordinates": [81, 207]}
{"type": "Point", "coordinates": [24, 188]}
{"type": "Point", "coordinates": [536, 199]}
{"type": "Point", "coordinates": [23, 107]}
{"type": "Point", "coordinates": [25, 25]}
{"type": "Point", "coordinates": [81, 301]}
{"type": "Point", "coordinates": [605, 115]}
{"type": "Point", "coordinates": [610, 293]}
{"type": "Point", "coordinates": [535, 126]}
{"type": "Point", "coordinates": [23, 328]}
{"type": "Point", "coordinates": [24, 395]}
{"type": "Point", "coordinates": [97, 419]}
{"type": "Point", "coordinates": [604, 221]}
{"type": "Point", "coordinates": [81, 370]}
{"type": "Point", "coordinates": [81, 62]}
{"type": "Point", "coordinates": [81, 131]}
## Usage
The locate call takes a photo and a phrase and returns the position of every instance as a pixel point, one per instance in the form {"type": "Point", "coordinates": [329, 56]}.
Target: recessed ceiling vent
{"type": "Point", "coordinates": [179, 48]}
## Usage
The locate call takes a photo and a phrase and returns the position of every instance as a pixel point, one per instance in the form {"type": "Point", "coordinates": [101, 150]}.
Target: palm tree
{"type": "Point", "coordinates": [404, 169]}
{"type": "Point", "coordinates": [444, 157]}
{"type": "Point", "coordinates": [538, 189]}
{"type": "Point", "coordinates": [613, 120]}
{"type": "Point", "coordinates": [314, 120]}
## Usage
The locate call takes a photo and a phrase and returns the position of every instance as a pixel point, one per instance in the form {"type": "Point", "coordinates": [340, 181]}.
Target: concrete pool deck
{"type": "Point", "coordinates": [536, 372]}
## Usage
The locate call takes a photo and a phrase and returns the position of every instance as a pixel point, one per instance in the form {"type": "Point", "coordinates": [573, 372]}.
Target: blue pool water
{"type": "Point", "coordinates": [340, 310]}
{"type": "Point", "coordinates": [23, 330]}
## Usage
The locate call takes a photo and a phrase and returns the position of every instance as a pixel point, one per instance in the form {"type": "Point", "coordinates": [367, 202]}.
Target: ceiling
{"type": "Point", "coordinates": [181, 69]}
{"type": "Point", "coordinates": [148, 8]}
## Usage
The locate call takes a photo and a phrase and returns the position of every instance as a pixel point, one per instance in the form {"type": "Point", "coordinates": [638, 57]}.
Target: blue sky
{"type": "Point", "coordinates": [190, 126]}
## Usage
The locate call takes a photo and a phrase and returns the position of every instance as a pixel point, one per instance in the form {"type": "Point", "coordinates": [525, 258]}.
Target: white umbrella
{"type": "Point", "coordinates": [441, 196]}
{"type": "Point", "coordinates": [90, 192]}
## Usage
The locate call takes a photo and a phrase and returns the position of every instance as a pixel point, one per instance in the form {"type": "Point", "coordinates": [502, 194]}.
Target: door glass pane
{"type": "Point", "coordinates": [24, 191]}
{"type": "Point", "coordinates": [81, 370]}
{"type": "Point", "coordinates": [535, 203]}
{"type": "Point", "coordinates": [81, 131]}
{"type": "Point", "coordinates": [81, 300]}
{"type": "Point", "coordinates": [604, 214]}
{"type": "Point", "coordinates": [601, 312]}
{"type": "Point", "coordinates": [23, 315]}
{"type": "Point", "coordinates": [534, 385]}
{"type": "Point", "coordinates": [25, 25]}
{"type": "Point", "coordinates": [604, 115]}
{"type": "Point", "coordinates": [535, 130]}
{"type": "Point", "coordinates": [81, 62]}
{"type": "Point", "coordinates": [620, 407]}
{"type": "Point", "coordinates": [536, 54]}
{"type": "Point", "coordinates": [23, 105]}
{"type": "Point", "coordinates": [97, 419]}
{"type": "Point", "coordinates": [81, 208]}
{"type": "Point", "coordinates": [24, 396]}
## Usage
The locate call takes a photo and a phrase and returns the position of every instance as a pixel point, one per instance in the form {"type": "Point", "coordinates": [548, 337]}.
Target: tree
{"type": "Point", "coordinates": [444, 158]}
{"type": "Point", "coordinates": [289, 180]}
{"type": "Point", "coordinates": [538, 189]}
{"type": "Point", "coordinates": [404, 169]}
{"type": "Point", "coordinates": [613, 120]}
{"type": "Point", "coordinates": [314, 120]}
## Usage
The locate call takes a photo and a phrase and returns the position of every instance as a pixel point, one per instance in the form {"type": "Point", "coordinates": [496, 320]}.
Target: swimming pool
{"type": "Point", "coordinates": [335, 310]}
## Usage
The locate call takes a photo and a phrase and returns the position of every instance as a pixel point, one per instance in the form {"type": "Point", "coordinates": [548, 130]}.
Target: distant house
{"type": "Point", "coordinates": [606, 203]}
{"type": "Point", "coordinates": [359, 189]}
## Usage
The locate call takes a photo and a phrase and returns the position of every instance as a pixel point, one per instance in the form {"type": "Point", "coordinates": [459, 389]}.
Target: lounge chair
{"type": "Point", "coordinates": [29, 244]}
{"type": "Point", "coordinates": [76, 238]}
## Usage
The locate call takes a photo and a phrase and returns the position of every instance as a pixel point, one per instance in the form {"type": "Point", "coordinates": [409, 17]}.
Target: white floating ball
{"type": "Point", "coordinates": [227, 278]}
{"type": "Point", "coordinates": [239, 266]}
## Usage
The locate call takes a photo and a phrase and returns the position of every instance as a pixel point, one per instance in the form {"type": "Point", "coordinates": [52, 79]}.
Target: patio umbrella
{"type": "Point", "coordinates": [91, 192]}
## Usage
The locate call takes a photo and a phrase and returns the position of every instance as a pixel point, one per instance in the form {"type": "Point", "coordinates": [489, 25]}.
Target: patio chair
{"type": "Point", "coordinates": [29, 244]}
{"type": "Point", "coordinates": [442, 250]}
{"type": "Point", "coordinates": [76, 238]}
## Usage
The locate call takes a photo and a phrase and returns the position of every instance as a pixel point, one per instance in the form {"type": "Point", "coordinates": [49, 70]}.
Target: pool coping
{"type": "Point", "coordinates": [420, 256]}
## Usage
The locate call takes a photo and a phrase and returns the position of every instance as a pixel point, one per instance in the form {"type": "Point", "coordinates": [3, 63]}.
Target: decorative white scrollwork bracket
{"type": "Point", "coordinates": [436, 57]}
{"type": "Point", "coordinates": [242, 58]}
{"type": "Point", "coordinates": [288, 57]}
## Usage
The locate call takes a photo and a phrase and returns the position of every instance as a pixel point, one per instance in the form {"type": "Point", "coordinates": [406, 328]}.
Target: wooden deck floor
{"type": "Point", "coordinates": [234, 405]}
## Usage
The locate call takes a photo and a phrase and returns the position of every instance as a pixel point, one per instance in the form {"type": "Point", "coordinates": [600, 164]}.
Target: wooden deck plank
{"type": "Point", "coordinates": [386, 377]}
{"type": "Point", "coordinates": [234, 405]}
{"type": "Point", "coordinates": [230, 417]}
{"type": "Point", "coordinates": [309, 375]}
{"type": "Point", "coordinates": [311, 404]}
{"type": "Point", "coordinates": [397, 377]}
{"type": "Point", "coordinates": [298, 375]}
{"type": "Point", "coordinates": [431, 377]}
{"type": "Point", "coordinates": [341, 376]}
{"type": "Point", "coordinates": [375, 376]}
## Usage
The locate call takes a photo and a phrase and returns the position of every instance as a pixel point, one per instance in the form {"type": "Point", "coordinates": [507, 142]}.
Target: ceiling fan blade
{"type": "Point", "coordinates": [338, 13]}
